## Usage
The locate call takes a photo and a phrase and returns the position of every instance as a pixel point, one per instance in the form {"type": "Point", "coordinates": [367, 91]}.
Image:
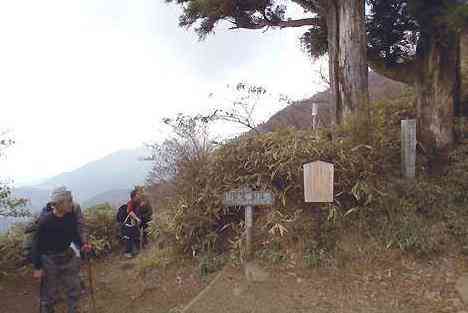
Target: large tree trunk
{"type": "Point", "coordinates": [437, 88]}
{"type": "Point", "coordinates": [336, 109]}
{"type": "Point", "coordinates": [348, 68]}
{"type": "Point", "coordinates": [353, 62]}
{"type": "Point", "coordinates": [464, 73]}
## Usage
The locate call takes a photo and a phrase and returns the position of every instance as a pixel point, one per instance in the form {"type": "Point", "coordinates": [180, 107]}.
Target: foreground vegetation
{"type": "Point", "coordinates": [104, 236]}
{"type": "Point", "coordinates": [424, 217]}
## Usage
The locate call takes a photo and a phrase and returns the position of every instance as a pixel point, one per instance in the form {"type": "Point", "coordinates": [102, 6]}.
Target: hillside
{"type": "Point", "coordinates": [114, 197]}
{"type": "Point", "coordinates": [298, 114]}
{"type": "Point", "coordinates": [385, 245]}
{"type": "Point", "coordinates": [119, 171]}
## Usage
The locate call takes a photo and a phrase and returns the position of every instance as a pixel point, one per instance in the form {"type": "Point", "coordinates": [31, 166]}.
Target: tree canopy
{"type": "Point", "coordinates": [399, 32]}
{"type": "Point", "coordinates": [204, 15]}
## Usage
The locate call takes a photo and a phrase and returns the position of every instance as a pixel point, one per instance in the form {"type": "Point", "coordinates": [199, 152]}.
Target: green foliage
{"type": "Point", "coordinates": [422, 217]}
{"type": "Point", "coordinates": [315, 41]}
{"type": "Point", "coordinates": [273, 161]}
{"type": "Point", "coordinates": [210, 263]}
{"type": "Point", "coordinates": [206, 14]}
{"type": "Point", "coordinates": [11, 248]}
{"type": "Point", "coordinates": [9, 206]}
{"type": "Point", "coordinates": [274, 253]}
{"type": "Point", "coordinates": [103, 228]}
{"type": "Point", "coordinates": [314, 257]}
{"type": "Point", "coordinates": [399, 28]}
{"type": "Point", "coordinates": [392, 30]}
{"type": "Point", "coordinates": [457, 16]}
{"type": "Point", "coordinates": [158, 259]}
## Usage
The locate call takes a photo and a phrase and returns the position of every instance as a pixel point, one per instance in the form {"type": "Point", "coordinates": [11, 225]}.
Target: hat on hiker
{"type": "Point", "coordinates": [61, 194]}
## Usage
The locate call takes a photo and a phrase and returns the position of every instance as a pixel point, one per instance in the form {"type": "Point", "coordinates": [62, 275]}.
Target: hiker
{"type": "Point", "coordinates": [76, 209]}
{"type": "Point", "coordinates": [31, 229]}
{"type": "Point", "coordinates": [129, 217]}
{"type": "Point", "coordinates": [146, 212]}
{"type": "Point", "coordinates": [82, 231]}
{"type": "Point", "coordinates": [55, 262]}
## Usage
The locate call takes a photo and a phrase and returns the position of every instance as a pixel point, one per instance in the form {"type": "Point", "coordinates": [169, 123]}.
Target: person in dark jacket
{"type": "Point", "coordinates": [76, 209]}
{"type": "Point", "coordinates": [55, 262]}
{"type": "Point", "coordinates": [131, 225]}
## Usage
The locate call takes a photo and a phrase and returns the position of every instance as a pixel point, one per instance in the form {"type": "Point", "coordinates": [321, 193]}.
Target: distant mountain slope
{"type": "Point", "coordinates": [121, 170]}
{"type": "Point", "coordinates": [114, 197]}
{"type": "Point", "coordinates": [299, 114]}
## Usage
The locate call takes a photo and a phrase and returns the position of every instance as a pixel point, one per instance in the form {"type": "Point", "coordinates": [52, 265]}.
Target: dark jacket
{"type": "Point", "coordinates": [54, 236]}
{"type": "Point", "coordinates": [82, 228]}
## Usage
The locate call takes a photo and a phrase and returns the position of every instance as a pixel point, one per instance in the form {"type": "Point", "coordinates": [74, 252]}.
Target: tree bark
{"type": "Point", "coordinates": [437, 89]}
{"type": "Point", "coordinates": [464, 72]}
{"type": "Point", "coordinates": [336, 109]}
{"type": "Point", "coordinates": [348, 68]}
{"type": "Point", "coordinates": [353, 63]}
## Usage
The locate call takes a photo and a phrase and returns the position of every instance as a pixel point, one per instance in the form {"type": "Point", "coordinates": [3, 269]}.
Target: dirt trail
{"type": "Point", "coordinates": [392, 285]}
{"type": "Point", "coordinates": [119, 289]}
{"type": "Point", "coordinates": [18, 294]}
{"type": "Point", "coordinates": [399, 287]}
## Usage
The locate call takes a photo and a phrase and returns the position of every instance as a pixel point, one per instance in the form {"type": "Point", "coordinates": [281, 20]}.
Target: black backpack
{"type": "Point", "coordinates": [122, 214]}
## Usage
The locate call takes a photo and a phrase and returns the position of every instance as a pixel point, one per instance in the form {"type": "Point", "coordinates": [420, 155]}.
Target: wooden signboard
{"type": "Point", "coordinates": [318, 182]}
{"type": "Point", "coordinates": [246, 197]}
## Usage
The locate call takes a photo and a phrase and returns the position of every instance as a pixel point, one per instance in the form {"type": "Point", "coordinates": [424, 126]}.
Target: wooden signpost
{"type": "Point", "coordinates": [246, 197]}
{"type": "Point", "coordinates": [318, 182]}
{"type": "Point", "coordinates": [314, 115]}
{"type": "Point", "coordinates": [318, 188]}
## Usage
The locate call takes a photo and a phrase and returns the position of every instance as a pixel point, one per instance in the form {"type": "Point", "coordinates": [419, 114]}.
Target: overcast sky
{"type": "Point", "coordinates": [80, 79]}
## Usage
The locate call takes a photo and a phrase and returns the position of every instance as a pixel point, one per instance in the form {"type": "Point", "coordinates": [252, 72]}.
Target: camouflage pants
{"type": "Point", "coordinates": [59, 277]}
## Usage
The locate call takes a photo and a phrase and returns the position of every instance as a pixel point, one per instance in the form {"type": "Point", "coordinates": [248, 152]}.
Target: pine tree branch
{"type": "Point", "coordinates": [402, 72]}
{"type": "Point", "coordinates": [262, 23]}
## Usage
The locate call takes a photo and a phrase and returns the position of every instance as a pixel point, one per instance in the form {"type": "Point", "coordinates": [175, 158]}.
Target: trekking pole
{"type": "Point", "coordinates": [91, 282]}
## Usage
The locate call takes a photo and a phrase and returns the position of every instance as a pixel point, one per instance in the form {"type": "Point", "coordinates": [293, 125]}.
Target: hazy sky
{"type": "Point", "coordinates": [80, 79]}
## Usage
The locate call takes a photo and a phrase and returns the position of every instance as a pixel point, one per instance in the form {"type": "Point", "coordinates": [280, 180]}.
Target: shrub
{"type": "Point", "coordinates": [11, 248]}
{"type": "Point", "coordinates": [104, 231]}
{"type": "Point", "coordinates": [156, 259]}
{"type": "Point", "coordinates": [370, 197]}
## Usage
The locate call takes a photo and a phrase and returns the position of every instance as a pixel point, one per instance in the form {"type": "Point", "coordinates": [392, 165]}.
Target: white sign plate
{"type": "Point", "coordinates": [318, 182]}
{"type": "Point", "coordinates": [245, 197]}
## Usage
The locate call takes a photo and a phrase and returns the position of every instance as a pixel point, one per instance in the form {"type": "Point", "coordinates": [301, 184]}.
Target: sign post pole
{"type": "Point", "coordinates": [248, 232]}
{"type": "Point", "coordinates": [247, 198]}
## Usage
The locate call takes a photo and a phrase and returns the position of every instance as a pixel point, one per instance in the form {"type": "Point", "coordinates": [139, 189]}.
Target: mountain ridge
{"type": "Point", "coordinates": [117, 171]}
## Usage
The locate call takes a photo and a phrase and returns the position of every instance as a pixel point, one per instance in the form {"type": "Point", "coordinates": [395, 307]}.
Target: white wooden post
{"type": "Point", "coordinates": [408, 148]}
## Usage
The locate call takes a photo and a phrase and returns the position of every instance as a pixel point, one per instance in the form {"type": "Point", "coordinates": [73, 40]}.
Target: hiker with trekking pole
{"type": "Point", "coordinates": [130, 220]}
{"type": "Point", "coordinates": [55, 262]}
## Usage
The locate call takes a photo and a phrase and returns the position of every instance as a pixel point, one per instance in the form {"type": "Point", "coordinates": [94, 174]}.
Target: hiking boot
{"type": "Point", "coordinates": [128, 255]}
